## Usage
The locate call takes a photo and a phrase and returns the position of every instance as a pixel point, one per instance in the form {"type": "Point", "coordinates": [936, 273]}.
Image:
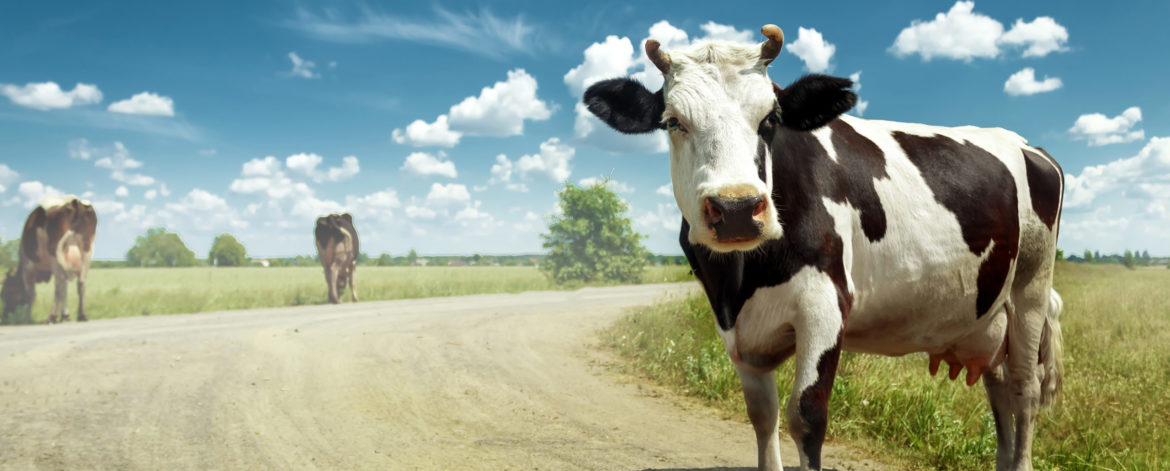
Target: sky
{"type": "Point", "coordinates": [448, 127]}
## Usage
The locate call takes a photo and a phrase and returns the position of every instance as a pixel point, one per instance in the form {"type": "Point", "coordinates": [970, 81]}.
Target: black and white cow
{"type": "Point", "coordinates": [57, 243]}
{"type": "Point", "coordinates": [813, 231]}
{"type": "Point", "coordinates": [337, 247]}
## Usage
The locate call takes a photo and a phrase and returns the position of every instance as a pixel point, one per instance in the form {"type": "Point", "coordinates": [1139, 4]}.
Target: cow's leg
{"type": "Point", "coordinates": [763, 407]}
{"type": "Point", "coordinates": [1023, 372]}
{"type": "Point", "coordinates": [331, 272]}
{"type": "Point", "coordinates": [352, 288]}
{"type": "Point", "coordinates": [1000, 397]}
{"type": "Point", "coordinates": [81, 299]}
{"type": "Point", "coordinates": [60, 291]}
{"type": "Point", "coordinates": [818, 348]}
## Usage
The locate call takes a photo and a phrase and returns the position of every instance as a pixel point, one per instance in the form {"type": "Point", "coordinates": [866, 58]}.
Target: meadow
{"type": "Point", "coordinates": [121, 292]}
{"type": "Point", "coordinates": [1113, 414]}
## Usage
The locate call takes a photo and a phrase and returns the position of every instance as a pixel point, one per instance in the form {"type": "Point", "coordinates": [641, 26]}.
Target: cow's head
{"type": "Point", "coordinates": [721, 109]}
{"type": "Point", "coordinates": [16, 296]}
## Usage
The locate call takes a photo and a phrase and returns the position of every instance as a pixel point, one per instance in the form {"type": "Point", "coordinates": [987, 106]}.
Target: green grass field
{"type": "Point", "coordinates": [121, 292]}
{"type": "Point", "coordinates": [1114, 413]}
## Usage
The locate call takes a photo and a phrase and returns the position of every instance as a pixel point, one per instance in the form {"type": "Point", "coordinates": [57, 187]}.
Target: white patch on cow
{"type": "Point", "coordinates": [53, 201]}
{"type": "Point", "coordinates": [824, 135]}
{"type": "Point", "coordinates": [719, 92]}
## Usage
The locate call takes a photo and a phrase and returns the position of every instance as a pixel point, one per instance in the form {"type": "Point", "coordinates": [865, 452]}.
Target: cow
{"type": "Point", "coordinates": [812, 231]}
{"type": "Point", "coordinates": [337, 247]}
{"type": "Point", "coordinates": [57, 243]}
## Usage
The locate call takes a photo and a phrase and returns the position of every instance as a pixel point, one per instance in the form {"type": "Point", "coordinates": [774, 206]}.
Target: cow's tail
{"type": "Point", "coordinates": [1051, 350]}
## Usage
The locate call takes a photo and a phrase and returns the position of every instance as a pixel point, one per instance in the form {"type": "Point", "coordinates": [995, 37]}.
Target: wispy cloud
{"type": "Point", "coordinates": [482, 33]}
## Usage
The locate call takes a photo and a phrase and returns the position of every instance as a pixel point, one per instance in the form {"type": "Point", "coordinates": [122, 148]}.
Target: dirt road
{"type": "Point", "coordinates": [473, 382]}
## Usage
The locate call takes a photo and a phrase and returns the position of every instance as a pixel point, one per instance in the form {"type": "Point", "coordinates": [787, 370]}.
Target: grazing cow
{"type": "Point", "coordinates": [57, 242]}
{"type": "Point", "coordinates": [337, 247]}
{"type": "Point", "coordinates": [811, 231]}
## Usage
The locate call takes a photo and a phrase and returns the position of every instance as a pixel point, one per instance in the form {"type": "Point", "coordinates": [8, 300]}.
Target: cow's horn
{"type": "Point", "coordinates": [659, 57]}
{"type": "Point", "coordinates": [771, 48]}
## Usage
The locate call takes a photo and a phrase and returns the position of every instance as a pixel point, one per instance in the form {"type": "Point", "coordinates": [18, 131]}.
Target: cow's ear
{"type": "Point", "coordinates": [626, 105]}
{"type": "Point", "coordinates": [347, 217]}
{"type": "Point", "coordinates": [814, 101]}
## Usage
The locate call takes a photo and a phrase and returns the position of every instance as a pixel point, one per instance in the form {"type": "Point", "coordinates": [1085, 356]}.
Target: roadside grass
{"type": "Point", "coordinates": [1114, 412]}
{"type": "Point", "coordinates": [122, 292]}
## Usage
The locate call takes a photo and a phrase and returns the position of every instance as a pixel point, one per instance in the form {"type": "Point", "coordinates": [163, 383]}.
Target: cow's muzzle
{"type": "Point", "coordinates": [735, 219]}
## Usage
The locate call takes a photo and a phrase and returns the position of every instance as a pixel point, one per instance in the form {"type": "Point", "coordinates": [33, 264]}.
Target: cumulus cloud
{"type": "Point", "coordinates": [423, 164]}
{"type": "Point", "coordinates": [46, 96]}
{"type": "Point", "coordinates": [33, 192]}
{"type": "Point", "coordinates": [79, 149]}
{"type": "Point", "coordinates": [501, 173]}
{"type": "Point", "coordinates": [861, 105]}
{"type": "Point", "coordinates": [1100, 130]}
{"type": "Point", "coordinates": [121, 192]}
{"type": "Point", "coordinates": [145, 103]}
{"type": "Point", "coordinates": [553, 162]}
{"type": "Point", "coordinates": [810, 46]}
{"type": "Point", "coordinates": [301, 68]}
{"type": "Point", "coordinates": [306, 164]}
{"type": "Point", "coordinates": [498, 111]}
{"type": "Point", "coordinates": [1024, 83]}
{"type": "Point", "coordinates": [666, 190]}
{"type": "Point", "coordinates": [665, 217]}
{"type": "Point", "coordinates": [962, 34]}
{"type": "Point", "coordinates": [7, 176]}
{"type": "Point", "coordinates": [420, 133]}
{"type": "Point", "coordinates": [204, 211]}
{"type": "Point", "coordinates": [448, 195]}
{"type": "Point", "coordinates": [1145, 175]}
{"type": "Point", "coordinates": [119, 162]}
{"type": "Point", "coordinates": [616, 57]}
{"type": "Point", "coordinates": [613, 185]}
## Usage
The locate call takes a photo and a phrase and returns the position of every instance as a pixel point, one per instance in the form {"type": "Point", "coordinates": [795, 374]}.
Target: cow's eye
{"type": "Point", "coordinates": [672, 124]}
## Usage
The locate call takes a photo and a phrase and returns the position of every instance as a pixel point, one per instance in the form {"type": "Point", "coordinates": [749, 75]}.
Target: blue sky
{"type": "Point", "coordinates": [448, 127]}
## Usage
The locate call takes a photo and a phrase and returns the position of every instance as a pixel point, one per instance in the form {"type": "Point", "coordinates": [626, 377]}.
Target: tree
{"type": "Point", "coordinates": [384, 260]}
{"type": "Point", "coordinates": [9, 254]}
{"type": "Point", "coordinates": [1059, 255]}
{"type": "Point", "coordinates": [159, 248]}
{"type": "Point", "coordinates": [411, 257]}
{"type": "Point", "coordinates": [1089, 256]}
{"type": "Point", "coordinates": [226, 251]}
{"type": "Point", "coordinates": [1097, 256]}
{"type": "Point", "coordinates": [1146, 257]}
{"type": "Point", "coordinates": [1128, 259]}
{"type": "Point", "coordinates": [592, 240]}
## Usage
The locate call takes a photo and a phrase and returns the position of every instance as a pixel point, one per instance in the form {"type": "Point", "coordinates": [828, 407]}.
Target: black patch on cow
{"type": "Point", "coordinates": [803, 175]}
{"type": "Point", "coordinates": [814, 101]}
{"type": "Point", "coordinates": [626, 105]}
{"type": "Point", "coordinates": [814, 404]}
{"type": "Point", "coordinates": [1044, 184]}
{"type": "Point", "coordinates": [28, 237]}
{"type": "Point", "coordinates": [980, 190]}
{"type": "Point", "coordinates": [328, 229]}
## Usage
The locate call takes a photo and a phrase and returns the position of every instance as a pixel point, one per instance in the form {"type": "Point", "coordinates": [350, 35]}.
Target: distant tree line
{"type": "Point", "coordinates": [1128, 259]}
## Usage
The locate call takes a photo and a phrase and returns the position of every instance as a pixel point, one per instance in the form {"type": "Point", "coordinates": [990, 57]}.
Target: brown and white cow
{"type": "Point", "coordinates": [57, 242]}
{"type": "Point", "coordinates": [812, 231]}
{"type": "Point", "coordinates": [337, 247]}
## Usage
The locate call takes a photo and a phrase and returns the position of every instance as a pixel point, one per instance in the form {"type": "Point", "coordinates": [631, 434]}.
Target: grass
{"type": "Point", "coordinates": [1114, 412]}
{"type": "Point", "coordinates": [121, 292]}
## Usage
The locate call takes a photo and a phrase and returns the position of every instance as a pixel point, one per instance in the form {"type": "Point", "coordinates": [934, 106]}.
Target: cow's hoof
{"type": "Point", "coordinates": [82, 318]}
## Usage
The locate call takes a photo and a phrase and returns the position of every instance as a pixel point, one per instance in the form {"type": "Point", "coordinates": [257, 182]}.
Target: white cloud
{"type": "Point", "coordinates": [553, 161]}
{"type": "Point", "coordinates": [501, 173]}
{"type": "Point", "coordinates": [49, 96]}
{"type": "Point", "coordinates": [203, 211]}
{"type": "Point", "coordinates": [665, 217]}
{"type": "Point", "coordinates": [810, 46]}
{"type": "Point", "coordinates": [306, 164]}
{"type": "Point", "coordinates": [1145, 176]}
{"type": "Point", "coordinates": [1039, 38]}
{"type": "Point", "coordinates": [615, 57]}
{"type": "Point", "coordinates": [34, 191]}
{"type": "Point", "coordinates": [861, 105]}
{"type": "Point", "coordinates": [150, 194]}
{"type": "Point", "coordinates": [1100, 130]}
{"type": "Point", "coordinates": [419, 133]}
{"type": "Point", "coordinates": [122, 191]}
{"type": "Point", "coordinates": [118, 161]}
{"type": "Point", "coordinates": [1024, 83]}
{"type": "Point", "coordinates": [962, 34]}
{"type": "Point", "coordinates": [422, 163]}
{"type": "Point", "coordinates": [79, 149]}
{"type": "Point", "coordinates": [447, 195]}
{"type": "Point", "coordinates": [666, 190]}
{"type": "Point", "coordinates": [7, 176]}
{"type": "Point", "coordinates": [378, 205]}
{"type": "Point", "coordinates": [498, 111]}
{"type": "Point", "coordinates": [479, 33]}
{"type": "Point", "coordinates": [301, 68]}
{"type": "Point", "coordinates": [145, 103]}
{"type": "Point", "coordinates": [613, 185]}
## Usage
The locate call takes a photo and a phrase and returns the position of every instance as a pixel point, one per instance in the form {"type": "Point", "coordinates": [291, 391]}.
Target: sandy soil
{"type": "Point", "coordinates": [472, 382]}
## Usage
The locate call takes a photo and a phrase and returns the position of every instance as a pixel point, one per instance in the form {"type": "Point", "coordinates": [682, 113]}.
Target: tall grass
{"type": "Point", "coordinates": [121, 292]}
{"type": "Point", "coordinates": [1114, 412]}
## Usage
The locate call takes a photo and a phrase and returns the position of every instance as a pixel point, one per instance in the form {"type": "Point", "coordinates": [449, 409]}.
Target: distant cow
{"type": "Point", "coordinates": [337, 247]}
{"type": "Point", "coordinates": [812, 231]}
{"type": "Point", "coordinates": [57, 242]}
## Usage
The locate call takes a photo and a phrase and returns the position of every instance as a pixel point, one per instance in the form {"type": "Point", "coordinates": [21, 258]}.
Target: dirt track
{"type": "Point", "coordinates": [473, 382]}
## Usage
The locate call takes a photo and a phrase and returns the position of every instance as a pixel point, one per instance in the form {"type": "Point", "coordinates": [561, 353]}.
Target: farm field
{"type": "Point", "coordinates": [1112, 413]}
{"type": "Point", "coordinates": [121, 292]}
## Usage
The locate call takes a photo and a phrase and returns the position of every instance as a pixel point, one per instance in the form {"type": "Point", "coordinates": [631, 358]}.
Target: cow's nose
{"type": "Point", "coordinates": [734, 218]}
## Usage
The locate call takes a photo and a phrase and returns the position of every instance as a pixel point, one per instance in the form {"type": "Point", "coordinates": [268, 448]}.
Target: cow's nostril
{"type": "Point", "coordinates": [712, 212]}
{"type": "Point", "coordinates": [759, 209]}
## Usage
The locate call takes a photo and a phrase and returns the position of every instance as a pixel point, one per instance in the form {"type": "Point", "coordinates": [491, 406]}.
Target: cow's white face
{"type": "Point", "coordinates": [716, 96]}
